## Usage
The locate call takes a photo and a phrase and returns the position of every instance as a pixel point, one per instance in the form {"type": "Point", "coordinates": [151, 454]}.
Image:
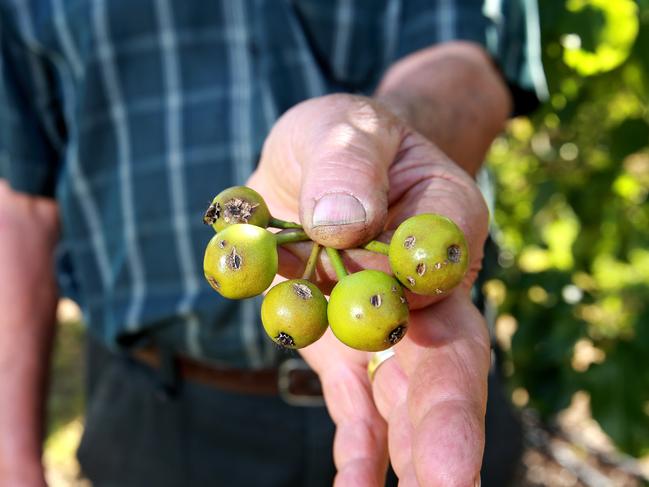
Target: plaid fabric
{"type": "Point", "coordinates": [134, 113]}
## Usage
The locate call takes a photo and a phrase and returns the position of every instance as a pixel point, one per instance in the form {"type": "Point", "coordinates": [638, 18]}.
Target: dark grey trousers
{"type": "Point", "coordinates": [140, 434]}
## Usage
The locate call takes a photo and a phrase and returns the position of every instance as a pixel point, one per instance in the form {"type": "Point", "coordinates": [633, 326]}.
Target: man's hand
{"type": "Point", "coordinates": [351, 169]}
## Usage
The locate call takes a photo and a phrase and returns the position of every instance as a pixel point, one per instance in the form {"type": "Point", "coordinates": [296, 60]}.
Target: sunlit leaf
{"type": "Point", "coordinates": [600, 34]}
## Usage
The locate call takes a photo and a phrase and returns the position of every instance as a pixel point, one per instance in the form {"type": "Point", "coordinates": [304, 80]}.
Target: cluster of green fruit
{"type": "Point", "coordinates": [367, 310]}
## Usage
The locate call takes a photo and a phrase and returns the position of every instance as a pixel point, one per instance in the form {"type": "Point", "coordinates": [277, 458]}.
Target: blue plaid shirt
{"type": "Point", "coordinates": [134, 113]}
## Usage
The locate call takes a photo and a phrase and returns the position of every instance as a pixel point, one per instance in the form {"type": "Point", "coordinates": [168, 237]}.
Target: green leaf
{"type": "Point", "coordinates": [599, 34]}
{"type": "Point", "coordinates": [619, 392]}
{"type": "Point", "coordinates": [628, 137]}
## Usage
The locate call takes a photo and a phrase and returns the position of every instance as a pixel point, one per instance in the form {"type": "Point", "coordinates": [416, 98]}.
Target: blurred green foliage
{"type": "Point", "coordinates": [574, 221]}
{"type": "Point", "coordinates": [65, 401]}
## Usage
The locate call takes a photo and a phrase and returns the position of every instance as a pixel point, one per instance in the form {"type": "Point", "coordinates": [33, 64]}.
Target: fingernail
{"type": "Point", "coordinates": [338, 209]}
{"type": "Point", "coordinates": [477, 482]}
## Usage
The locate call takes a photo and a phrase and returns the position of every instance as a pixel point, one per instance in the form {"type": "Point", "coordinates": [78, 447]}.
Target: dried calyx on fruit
{"type": "Point", "coordinates": [294, 313]}
{"type": "Point", "coordinates": [238, 204]}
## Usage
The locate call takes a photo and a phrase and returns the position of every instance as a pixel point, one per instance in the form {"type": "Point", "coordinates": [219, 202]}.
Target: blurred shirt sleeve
{"type": "Point", "coordinates": [513, 38]}
{"type": "Point", "coordinates": [508, 29]}
{"type": "Point", "coordinates": [31, 128]}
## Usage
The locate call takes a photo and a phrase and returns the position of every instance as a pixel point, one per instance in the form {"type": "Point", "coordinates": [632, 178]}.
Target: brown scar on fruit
{"type": "Point", "coordinates": [409, 242]}
{"type": "Point", "coordinates": [358, 316]}
{"type": "Point", "coordinates": [213, 282]}
{"type": "Point", "coordinates": [454, 253]}
{"type": "Point", "coordinates": [397, 334]}
{"type": "Point", "coordinates": [376, 300]}
{"type": "Point", "coordinates": [411, 280]}
{"type": "Point", "coordinates": [237, 210]}
{"type": "Point", "coordinates": [421, 269]}
{"type": "Point", "coordinates": [285, 340]}
{"type": "Point", "coordinates": [302, 290]}
{"type": "Point", "coordinates": [212, 214]}
{"type": "Point", "coordinates": [234, 260]}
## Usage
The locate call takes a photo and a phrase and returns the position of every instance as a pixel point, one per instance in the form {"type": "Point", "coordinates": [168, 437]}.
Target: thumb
{"type": "Point", "coordinates": [345, 147]}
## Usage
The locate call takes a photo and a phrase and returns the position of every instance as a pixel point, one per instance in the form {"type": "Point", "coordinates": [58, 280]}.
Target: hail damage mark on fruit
{"type": "Point", "coordinates": [222, 244]}
{"type": "Point", "coordinates": [376, 300]}
{"type": "Point", "coordinates": [454, 253]}
{"type": "Point", "coordinates": [409, 242]}
{"type": "Point", "coordinates": [358, 316]}
{"type": "Point", "coordinates": [397, 334]}
{"type": "Point", "coordinates": [439, 291]}
{"type": "Point", "coordinates": [234, 260]}
{"type": "Point", "coordinates": [284, 339]}
{"type": "Point", "coordinates": [213, 282]}
{"type": "Point", "coordinates": [237, 210]}
{"type": "Point", "coordinates": [395, 289]}
{"type": "Point", "coordinates": [212, 214]}
{"type": "Point", "coordinates": [438, 265]}
{"type": "Point", "coordinates": [402, 299]}
{"type": "Point", "coordinates": [411, 280]}
{"type": "Point", "coordinates": [421, 269]}
{"type": "Point", "coordinates": [302, 290]}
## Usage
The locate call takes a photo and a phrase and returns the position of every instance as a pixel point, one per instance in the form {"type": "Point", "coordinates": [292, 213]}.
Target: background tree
{"type": "Point", "coordinates": [573, 222]}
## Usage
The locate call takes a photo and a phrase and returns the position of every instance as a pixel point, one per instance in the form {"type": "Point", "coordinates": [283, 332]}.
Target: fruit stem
{"type": "Point", "coordinates": [291, 236]}
{"type": "Point", "coordinates": [378, 247]}
{"type": "Point", "coordinates": [311, 263]}
{"type": "Point", "coordinates": [277, 223]}
{"type": "Point", "coordinates": [336, 262]}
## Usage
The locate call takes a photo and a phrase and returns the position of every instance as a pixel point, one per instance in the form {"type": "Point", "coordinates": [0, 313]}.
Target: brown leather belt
{"type": "Point", "coordinates": [293, 380]}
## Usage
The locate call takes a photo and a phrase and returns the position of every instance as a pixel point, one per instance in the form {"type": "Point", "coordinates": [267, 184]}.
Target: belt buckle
{"type": "Point", "coordinates": [284, 372]}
